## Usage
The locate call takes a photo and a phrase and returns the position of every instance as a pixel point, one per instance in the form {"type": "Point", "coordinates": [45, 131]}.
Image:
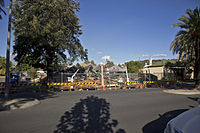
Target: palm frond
{"type": "Point", "coordinates": [196, 12]}
{"type": "Point", "coordinates": [184, 19]}
{"type": "Point", "coordinates": [181, 33]}
{"type": "Point", "coordinates": [190, 13]}
{"type": "Point", "coordinates": [2, 10]}
{"type": "Point", "coordinates": [181, 25]}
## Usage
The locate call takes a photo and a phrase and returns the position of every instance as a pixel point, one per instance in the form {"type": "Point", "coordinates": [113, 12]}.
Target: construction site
{"type": "Point", "coordinates": [80, 78]}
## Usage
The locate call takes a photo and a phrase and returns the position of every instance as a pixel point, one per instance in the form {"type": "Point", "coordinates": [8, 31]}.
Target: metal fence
{"type": "Point", "coordinates": [21, 81]}
{"type": "Point", "coordinates": [111, 80]}
{"type": "Point", "coordinates": [2, 79]}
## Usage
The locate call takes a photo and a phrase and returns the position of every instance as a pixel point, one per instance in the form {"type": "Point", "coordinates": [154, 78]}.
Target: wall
{"type": "Point", "coordinates": [157, 71]}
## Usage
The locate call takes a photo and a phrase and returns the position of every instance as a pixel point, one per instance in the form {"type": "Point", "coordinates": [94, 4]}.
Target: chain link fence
{"type": "Point", "coordinates": [97, 80]}
{"type": "Point", "coordinates": [21, 81]}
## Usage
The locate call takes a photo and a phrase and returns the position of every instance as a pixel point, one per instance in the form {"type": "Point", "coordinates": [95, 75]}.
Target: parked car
{"type": "Point", "coordinates": [187, 122]}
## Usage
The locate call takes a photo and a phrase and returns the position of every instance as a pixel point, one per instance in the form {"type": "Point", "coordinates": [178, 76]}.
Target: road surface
{"type": "Point", "coordinates": [121, 111]}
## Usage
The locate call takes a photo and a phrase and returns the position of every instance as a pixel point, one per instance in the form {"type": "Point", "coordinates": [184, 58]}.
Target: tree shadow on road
{"type": "Point", "coordinates": [90, 115]}
{"type": "Point", "coordinates": [158, 125]}
{"type": "Point", "coordinates": [193, 98]}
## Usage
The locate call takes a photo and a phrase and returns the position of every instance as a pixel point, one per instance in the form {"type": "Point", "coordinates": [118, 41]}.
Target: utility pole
{"type": "Point", "coordinates": [7, 87]}
{"type": "Point", "coordinates": [127, 78]}
{"type": "Point", "coordinates": [102, 79]}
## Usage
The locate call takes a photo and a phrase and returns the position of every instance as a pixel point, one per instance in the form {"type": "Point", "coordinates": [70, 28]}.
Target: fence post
{"type": "Point", "coordinates": [61, 80]}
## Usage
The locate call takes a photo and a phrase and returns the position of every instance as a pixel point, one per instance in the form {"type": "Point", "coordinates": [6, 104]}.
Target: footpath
{"type": "Point", "coordinates": [18, 103]}
{"type": "Point", "coordinates": [22, 100]}
{"type": "Point", "coordinates": [182, 91]}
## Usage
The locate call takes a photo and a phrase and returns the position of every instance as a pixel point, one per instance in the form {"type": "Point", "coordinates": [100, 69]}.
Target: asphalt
{"type": "Point", "coordinates": [121, 111]}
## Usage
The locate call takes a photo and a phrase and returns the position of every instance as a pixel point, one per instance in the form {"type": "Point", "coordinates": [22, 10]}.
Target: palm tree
{"type": "Point", "coordinates": [2, 5]}
{"type": "Point", "coordinates": [187, 40]}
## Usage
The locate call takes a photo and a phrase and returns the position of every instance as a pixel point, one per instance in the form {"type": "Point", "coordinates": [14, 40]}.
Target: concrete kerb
{"type": "Point", "coordinates": [182, 91]}
{"type": "Point", "coordinates": [20, 103]}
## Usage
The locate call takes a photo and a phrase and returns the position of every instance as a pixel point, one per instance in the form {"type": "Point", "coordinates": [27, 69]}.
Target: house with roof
{"type": "Point", "coordinates": [164, 68]}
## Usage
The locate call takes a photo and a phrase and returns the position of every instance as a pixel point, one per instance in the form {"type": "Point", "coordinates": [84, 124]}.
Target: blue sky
{"type": "Point", "coordinates": [124, 29]}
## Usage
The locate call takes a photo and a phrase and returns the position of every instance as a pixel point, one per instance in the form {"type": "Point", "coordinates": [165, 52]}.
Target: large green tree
{"type": "Point", "coordinates": [1, 8]}
{"type": "Point", "coordinates": [2, 65]}
{"type": "Point", "coordinates": [134, 66]}
{"type": "Point", "coordinates": [46, 33]}
{"type": "Point", "coordinates": [187, 41]}
{"type": "Point", "coordinates": [109, 63]}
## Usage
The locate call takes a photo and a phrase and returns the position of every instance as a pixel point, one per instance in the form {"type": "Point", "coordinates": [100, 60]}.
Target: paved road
{"type": "Point", "coordinates": [121, 111]}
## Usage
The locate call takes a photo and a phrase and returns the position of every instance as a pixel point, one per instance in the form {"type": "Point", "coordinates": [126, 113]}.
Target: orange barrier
{"type": "Point", "coordinates": [141, 86]}
{"type": "Point", "coordinates": [104, 88]}
{"type": "Point", "coordinates": [115, 87]}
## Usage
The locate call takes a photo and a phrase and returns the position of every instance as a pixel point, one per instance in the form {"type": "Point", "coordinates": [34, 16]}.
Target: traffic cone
{"type": "Point", "coordinates": [140, 85]}
{"type": "Point", "coordinates": [115, 87]}
{"type": "Point", "coordinates": [104, 88]}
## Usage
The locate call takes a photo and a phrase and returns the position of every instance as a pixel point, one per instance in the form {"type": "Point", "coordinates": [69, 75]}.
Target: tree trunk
{"type": "Point", "coordinates": [197, 66]}
{"type": "Point", "coordinates": [197, 75]}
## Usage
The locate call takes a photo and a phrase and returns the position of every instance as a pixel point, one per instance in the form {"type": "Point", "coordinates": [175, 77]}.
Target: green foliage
{"type": "Point", "coordinates": [162, 62]}
{"type": "Point", "coordinates": [134, 66]}
{"type": "Point", "coordinates": [25, 67]}
{"type": "Point", "coordinates": [45, 31]}
{"type": "Point", "coordinates": [92, 62]}
{"type": "Point", "coordinates": [32, 72]}
{"type": "Point", "coordinates": [110, 63]}
{"type": "Point", "coordinates": [3, 66]}
{"type": "Point", "coordinates": [168, 65]}
{"type": "Point", "coordinates": [187, 40]}
{"type": "Point", "coordinates": [175, 67]}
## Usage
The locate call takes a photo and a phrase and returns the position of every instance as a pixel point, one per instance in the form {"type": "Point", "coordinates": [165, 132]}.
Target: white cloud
{"type": "Point", "coordinates": [160, 55]}
{"type": "Point", "coordinates": [99, 52]}
{"type": "Point", "coordinates": [106, 58]}
{"type": "Point", "coordinates": [145, 55]}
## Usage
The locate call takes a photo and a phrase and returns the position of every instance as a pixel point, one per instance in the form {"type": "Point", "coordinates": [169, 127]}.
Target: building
{"type": "Point", "coordinates": [172, 68]}
{"type": "Point", "coordinates": [158, 71]}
